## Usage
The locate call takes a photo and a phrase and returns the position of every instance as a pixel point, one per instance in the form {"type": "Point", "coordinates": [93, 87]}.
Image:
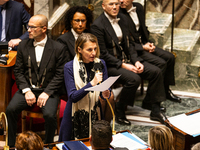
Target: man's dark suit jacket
{"type": "Point", "coordinates": [68, 40]}
{"type": "Point", "coordinates": [108, 41]}
{"type": "Point", "coordinates": [16, 18]}
{"type": "Point", "coordinates": [53, 60]}
{"type": "Point", "coordinates": [143, 27]}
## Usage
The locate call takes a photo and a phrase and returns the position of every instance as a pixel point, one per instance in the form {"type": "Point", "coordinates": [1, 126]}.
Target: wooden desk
{"type": "Point", "coordinates": [5, 81]}
{"type": "Point", "coordinates": [183, 141]}
{"type": "Point", "coordinates": [85, 141]}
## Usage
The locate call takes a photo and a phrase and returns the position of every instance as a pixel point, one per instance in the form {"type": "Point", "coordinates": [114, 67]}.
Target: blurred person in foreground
{"type": "Point", "coordinates": [29, 140]}
{"type": "Point", "coordinates": [160, 138]}
{"type": "Point", "coordinates": [101, 136]}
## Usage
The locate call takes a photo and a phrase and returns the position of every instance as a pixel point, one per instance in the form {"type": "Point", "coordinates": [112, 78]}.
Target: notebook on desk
{"type": "Point", "coordinates": [74, 145]}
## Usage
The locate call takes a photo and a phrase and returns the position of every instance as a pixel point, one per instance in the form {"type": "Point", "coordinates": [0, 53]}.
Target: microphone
{"type": "Point", "coordinates": [98, 68]}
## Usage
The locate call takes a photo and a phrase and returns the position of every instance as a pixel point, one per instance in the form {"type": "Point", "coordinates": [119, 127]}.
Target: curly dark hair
{"type": "Point", "coordinates": [81, 9]}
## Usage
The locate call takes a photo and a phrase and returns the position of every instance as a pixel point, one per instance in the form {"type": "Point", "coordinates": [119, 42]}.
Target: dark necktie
{"type": "Point", "coordinates": [0, 22]}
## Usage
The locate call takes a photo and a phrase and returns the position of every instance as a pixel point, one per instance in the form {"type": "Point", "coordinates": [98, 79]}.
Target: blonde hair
{"type": "Point", "coordinates": [160, 138]}
{"type": "Point", "coordinates": [29, 141]}
{"type": "Point", "coordinates": [196, 146]}
{"type": "Point", "coordinates": [82, 39]}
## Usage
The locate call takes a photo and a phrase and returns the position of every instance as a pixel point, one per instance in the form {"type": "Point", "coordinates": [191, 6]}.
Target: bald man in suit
{"type": "Point", "coordinates": [39, 76]}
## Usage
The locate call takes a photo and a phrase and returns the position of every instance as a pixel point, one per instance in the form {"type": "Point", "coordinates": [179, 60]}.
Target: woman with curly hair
{"type": "Point", "coordinates": [160, 138]}
{"type": "Point", "coordinates": [77, 20]}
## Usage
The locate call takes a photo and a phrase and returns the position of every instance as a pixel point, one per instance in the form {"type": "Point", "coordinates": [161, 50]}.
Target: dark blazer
{"type": "Point", "coordinates": [16, 18]}
{"type": "Point", "coordinates": [53, 59]}
{"type": "Point", "coordinates": [108, 41]}
{"type": "Point", "coordinates": [143, 28]}
{"type": "Point", "coordinates": [68, 40]}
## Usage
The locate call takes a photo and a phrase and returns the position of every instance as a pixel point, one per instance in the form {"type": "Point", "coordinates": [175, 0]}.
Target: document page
{"type": "Point", "coordinates": [104, 85]}
{"type": "Point", "coordinates": [120, 140]}
{"type": "Point", "coordinates": [189, 124]}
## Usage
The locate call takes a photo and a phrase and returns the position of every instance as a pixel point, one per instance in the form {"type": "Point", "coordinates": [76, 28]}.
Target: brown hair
{"type": "Point", "coordinates": [161, 138]}
{"type": "Point", "coordinates": [82, 39]}
{"type": "Point", "coordinates": [29, 141]}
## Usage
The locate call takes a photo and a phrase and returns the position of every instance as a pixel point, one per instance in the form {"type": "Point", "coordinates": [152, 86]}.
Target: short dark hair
{"type": "Point", "coordinates": [81, 9]}
{"type": "Point", "coordinates": [101, 134]}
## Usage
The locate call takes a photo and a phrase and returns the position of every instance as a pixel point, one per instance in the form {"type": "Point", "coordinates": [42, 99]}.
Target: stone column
{"type": "Point", "coordinates": [42, 7]}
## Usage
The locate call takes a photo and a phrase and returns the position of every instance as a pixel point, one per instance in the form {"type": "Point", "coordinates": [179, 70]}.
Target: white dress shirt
{"type": "Point", "coordinates": [74, 34]}
{"type": "Point", "coordinates": [3, 32]}
{"type": "Point", "coordinates": [115, 25]}
{"type": "Point", "coordinates": [39, 48]}
{"type": "Point", "coordinates": [134, 17]}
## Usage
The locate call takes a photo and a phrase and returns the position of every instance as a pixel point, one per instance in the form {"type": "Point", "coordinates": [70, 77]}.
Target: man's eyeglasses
{"type": "Point", "coordinates": [83, 21]}
{"type": "Point", "coordinates": [112, 4]}
{"type": "Point", "coordinates": [34, 27]}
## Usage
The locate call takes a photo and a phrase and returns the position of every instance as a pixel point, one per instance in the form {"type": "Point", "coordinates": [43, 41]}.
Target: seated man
{"type": "Point", "coordinates": [101, 136]}
{"type": "Point", "coordinates": [146, 50]}
{"type": "Point", "coordinates": [39, 76]}
{"type": "Point", "coordinates": [111, 30]}
{"type": "Point", "coordinates": [13, 17]}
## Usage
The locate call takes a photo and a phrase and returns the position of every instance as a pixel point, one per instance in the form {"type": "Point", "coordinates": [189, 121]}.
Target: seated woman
{"type": "Point", "coordinates": [77, 21]}
{"type": "Point", "coordinates": [83, 107]}
{"type": "Point", "coordinates": [160, 138]}
{"type": "Point", "coordinates": [29, 141]}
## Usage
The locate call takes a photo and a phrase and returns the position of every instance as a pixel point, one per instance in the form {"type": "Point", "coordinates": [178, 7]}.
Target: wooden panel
{"type": "Point", "coordinates": [30, 10]}
{"type": "Point", "coordinates": [5, 80]}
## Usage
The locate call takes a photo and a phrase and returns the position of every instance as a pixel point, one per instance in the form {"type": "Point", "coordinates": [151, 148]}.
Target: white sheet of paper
{"type": "Point", "coordinates": [120, 140]}
{"type": "Point", "coordinates": [59, 146]}
{"type": "Point", "coordinates": [187, 123]}
{"type": "Point", "coordinates": [104, 85]}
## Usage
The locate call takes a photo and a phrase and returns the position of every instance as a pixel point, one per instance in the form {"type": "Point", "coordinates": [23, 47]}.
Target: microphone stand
{"type": "Point", "coordinates": [113, 127]}
{"type": "Point", "coordinates": [6, 147]}
{"type": "Point", "coordinates": [113, 114]}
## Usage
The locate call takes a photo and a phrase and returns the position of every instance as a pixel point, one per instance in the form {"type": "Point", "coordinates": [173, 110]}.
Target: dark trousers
{"type": "Point", "coordinates": [164, 60]}
{"type": "Point", "coordinates": [131, 81]}
{"type": "Point", "coordinates": [15, 107]}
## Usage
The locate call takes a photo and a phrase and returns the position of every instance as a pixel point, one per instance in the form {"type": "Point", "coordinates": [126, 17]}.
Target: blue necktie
{"type": "Point", "coordinates": [0, 22]}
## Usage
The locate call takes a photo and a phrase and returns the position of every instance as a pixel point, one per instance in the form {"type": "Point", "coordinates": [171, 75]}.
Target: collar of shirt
{"type": "Point", "coordinates": [132, 9]}
{"type": "Point", "coordinates": [75, 34]}
{"type": "Point", "coordinates": [112, 20]}
{"type": "Point", "coordinates": [41, 43]}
